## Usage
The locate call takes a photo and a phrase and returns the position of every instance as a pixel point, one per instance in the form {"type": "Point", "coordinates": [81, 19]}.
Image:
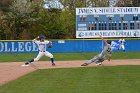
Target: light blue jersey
{"type": "Point", "coordinates": [105, 54]}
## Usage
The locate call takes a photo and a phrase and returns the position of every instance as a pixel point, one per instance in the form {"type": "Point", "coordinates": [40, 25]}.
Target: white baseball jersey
{"type": "Point", "coordinates": [41, 45]}
{"type": "Point", "coordinates": [121, 41]}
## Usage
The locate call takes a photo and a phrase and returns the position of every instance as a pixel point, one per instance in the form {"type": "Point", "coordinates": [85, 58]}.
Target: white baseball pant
{"type": "Point", "coordinates": [40, 54]}
{"type": "Point", "coordinates": [122, 47]}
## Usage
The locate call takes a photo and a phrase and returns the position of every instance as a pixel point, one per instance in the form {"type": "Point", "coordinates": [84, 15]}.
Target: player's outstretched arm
{"type": "Point", "coordinates": [103, 39]}
{"type": "Point", "coordinates": [36, 40]}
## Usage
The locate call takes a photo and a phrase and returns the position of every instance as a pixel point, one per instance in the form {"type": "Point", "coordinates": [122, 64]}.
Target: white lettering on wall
{"type": "Point", "coordinates": [21, 46]}
{"type": "Point", "coordinates": [7, 49]}
{"type": "Point", "coordinates": [13, 47]}
{"type": "Point", "coordinates": [35, 47]}
{"type": "Point", "coordinates": [1, 46]}
{"type": "Point", "coordinates": [28, 46]}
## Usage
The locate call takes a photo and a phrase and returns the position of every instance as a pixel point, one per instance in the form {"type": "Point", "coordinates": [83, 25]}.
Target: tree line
{"type": "Point", "coordinates": [25, 19]}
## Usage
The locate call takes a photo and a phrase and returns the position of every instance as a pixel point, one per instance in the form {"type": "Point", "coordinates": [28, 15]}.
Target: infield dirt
{"type": "Point", "coordinates": [12, 70]}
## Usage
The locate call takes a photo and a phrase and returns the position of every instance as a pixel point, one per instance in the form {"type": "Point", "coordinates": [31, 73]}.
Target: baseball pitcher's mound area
{"type": "Point", "coordinates": [13, 70]}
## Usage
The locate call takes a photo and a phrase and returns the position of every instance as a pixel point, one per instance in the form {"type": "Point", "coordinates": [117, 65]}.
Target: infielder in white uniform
{"type": "Point", "coordinates": [42, 45]}
{"type": "Point", "coordinates": [121, 42]}
{"type": "Point", "coordinates": [105, 54]}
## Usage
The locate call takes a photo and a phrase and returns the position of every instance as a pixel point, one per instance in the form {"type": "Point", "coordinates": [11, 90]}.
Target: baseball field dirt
{"type": "Point", "coordinates": [12, 70]}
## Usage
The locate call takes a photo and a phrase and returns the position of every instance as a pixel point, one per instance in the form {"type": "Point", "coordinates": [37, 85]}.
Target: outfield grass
{"type": "Point", "coordinates": [66, 56]}
{"type": "Point", "coordinates": [118, 79]}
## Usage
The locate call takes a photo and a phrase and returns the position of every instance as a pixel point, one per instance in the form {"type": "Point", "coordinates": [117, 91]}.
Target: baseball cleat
{"type": "Point", "coordinates": [26, 64]}
{"type": "Point", "coordinates": [53, 64]}
{"type": "Point", "coordinates": [85, 64]}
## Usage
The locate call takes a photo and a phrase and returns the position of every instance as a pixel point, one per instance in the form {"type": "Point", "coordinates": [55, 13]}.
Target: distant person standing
{"type": "Point", "coordinates": [121, 46]}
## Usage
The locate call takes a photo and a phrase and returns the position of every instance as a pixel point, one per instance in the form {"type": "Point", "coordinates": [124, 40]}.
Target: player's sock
{"type": "Point", "coordinates": [31, 61]}
{"type": "Point", "coordinates": [52, 60]}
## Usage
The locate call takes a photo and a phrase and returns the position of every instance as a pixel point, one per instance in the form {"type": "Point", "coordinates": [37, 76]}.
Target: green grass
{"type": "Point", "coordinates": [66, 56]}
{"type": "Point", "coordinates": [118, 79]}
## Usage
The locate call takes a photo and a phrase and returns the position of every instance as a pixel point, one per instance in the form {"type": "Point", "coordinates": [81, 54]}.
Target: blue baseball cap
{"type": "Point", "coordinates": [42, 37]}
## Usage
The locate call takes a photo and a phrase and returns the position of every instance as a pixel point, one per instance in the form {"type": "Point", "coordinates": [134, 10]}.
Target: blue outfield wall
{"type": "Point", "coordinates": [64, 46]}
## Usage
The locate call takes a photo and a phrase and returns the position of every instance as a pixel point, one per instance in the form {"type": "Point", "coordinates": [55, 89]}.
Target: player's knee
{"type": "Point", "coordinates": [36, 59]}
{"type": "Point", "coordinates": [51, 56]}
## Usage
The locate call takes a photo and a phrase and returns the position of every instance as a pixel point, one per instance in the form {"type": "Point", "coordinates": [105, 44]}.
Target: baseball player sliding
{"type": "Point", "coordinates": [42, 44]}
{"type": "Point", "coordinates": [105, 54]}
{"type": "Point", "coordinates": [122, 41]}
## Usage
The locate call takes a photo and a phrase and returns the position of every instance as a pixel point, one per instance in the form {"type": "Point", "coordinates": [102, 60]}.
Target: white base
{"type": "Point", "coordinates": [25, 65]}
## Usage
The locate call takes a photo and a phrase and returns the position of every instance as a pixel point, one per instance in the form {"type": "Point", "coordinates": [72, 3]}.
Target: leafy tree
{"type": "Point", "coordinates": [124, 3]}
{"type": "Point", "coordinates": [4, 5]}
{"type": "Point", "coordinates": [19, 18]}
{"type": "Point", "coordinates": [67, 19]}
{"type": "Point", "coordinates": [25, 19]}
{"type": "Point", "coordinates": [136, 3]}
{"type": "Point", "coordinates": [56, 23]}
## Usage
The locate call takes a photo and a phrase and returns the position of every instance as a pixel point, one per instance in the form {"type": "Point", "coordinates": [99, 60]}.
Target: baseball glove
{"type": "Point", "coordinates": [37, 38]}
{"type": "Point", "coordinates": [50, 45]}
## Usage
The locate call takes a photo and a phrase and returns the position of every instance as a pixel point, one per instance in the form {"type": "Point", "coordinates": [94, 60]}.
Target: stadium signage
{"type": "Point", "coordinates": [108, 21]}
{"type": "Point", "coordinates": [106, 10]}
{"type": "Point", "coordinates": [8, 47]}
{"type": "Point", "coordinates": [93, 34]}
